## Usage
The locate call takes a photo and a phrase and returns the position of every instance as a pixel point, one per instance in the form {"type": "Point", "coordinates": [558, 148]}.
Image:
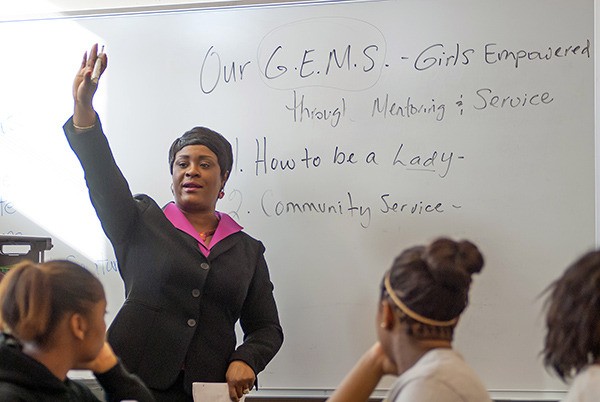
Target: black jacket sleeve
{"type": "Point", "coordinates": [109, 191]}
{"type": "Point", "coordinates": [119, 384]}
{"type": "Point", "coordinates": [259, 320]}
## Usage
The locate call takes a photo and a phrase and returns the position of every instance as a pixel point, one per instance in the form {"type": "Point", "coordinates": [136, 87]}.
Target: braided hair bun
{"type": "Point", "coordinates": [451, 263]}
{"type": "Point", "coordinates": [434, 280]}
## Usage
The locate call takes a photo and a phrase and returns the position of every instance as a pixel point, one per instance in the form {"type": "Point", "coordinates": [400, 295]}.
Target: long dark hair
{"type": "Point", "coordinates": [34, 297]}
{"type": "Point", "coordinates": [431, 285]}
{"type": "Point", "coordinates": [573, 317]}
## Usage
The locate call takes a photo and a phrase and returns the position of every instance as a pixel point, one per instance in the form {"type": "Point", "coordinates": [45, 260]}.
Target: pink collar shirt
{"type": "Point", "coordinates": [226, 226]}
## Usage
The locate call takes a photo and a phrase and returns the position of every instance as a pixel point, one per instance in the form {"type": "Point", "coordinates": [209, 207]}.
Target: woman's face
{"type": "Point", "coordinates": [196, 179]}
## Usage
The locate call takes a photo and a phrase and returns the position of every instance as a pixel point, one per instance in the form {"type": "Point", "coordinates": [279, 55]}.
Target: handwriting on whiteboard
{"type": "Point", "coordinates": [352, 56]}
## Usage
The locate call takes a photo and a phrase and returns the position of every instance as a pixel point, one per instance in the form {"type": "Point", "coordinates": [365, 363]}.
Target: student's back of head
{"type": "Point", "coordinates": [35, 297]}
{"type": "Point", "coordinates": [430, 285]}
{"type": "Point", "coordinates": [572, 344]}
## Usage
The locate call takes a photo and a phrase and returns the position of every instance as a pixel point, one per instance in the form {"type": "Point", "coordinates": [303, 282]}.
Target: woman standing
{"type": "Point", "coordinates": [190, 272]}
{"type": "Point", "coordinates": [422, 298]}
{"type": "Point", "coordinates": [52, 321]}
{"type": "Point", "coordinates": [572, 347]}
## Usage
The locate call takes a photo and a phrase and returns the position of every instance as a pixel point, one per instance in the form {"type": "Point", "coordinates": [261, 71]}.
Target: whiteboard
{"type": "Point", "coordinates": [359, 128]}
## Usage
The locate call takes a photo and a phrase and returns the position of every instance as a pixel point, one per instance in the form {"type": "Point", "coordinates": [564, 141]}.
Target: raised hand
{"type": "Point", "coordinates": [84, 87]}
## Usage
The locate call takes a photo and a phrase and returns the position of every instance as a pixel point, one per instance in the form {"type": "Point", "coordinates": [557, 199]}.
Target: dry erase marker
{"type": "Point", "coordinates": [97, 67]}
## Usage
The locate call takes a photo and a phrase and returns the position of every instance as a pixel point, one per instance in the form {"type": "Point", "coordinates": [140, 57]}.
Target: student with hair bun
{"type": "Point", "coordinates": [52, 321]}
{"type": "Point", "coordinates": [572, 345]}
{"type": "Point", "coordinates": [422, 297]}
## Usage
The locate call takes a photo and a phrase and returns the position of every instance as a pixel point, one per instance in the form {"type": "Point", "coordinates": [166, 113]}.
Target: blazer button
{"type": "Point", "coordinates": [204, 265]}
{"type": "Point", "coordinates": [191, 322]}
{"type": "Point", "coordinates": [196, 292]}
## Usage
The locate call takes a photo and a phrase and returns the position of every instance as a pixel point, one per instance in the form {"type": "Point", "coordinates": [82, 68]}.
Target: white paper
{"type": "Point", "coordinates": [211, 392]}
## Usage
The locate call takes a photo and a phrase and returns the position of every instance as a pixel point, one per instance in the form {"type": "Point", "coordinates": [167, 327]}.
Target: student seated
{"type": "Point", "coordinates": [52, 321]}
{"type": "Point", "coordinates": [572, 344]}
{"type": "Point", "coordinates": [422, 298]}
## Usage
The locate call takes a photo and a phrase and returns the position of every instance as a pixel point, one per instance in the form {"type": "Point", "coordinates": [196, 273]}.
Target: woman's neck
{"type": "Point", "coordinates": [408, 353]}
{"type": "Point", "coordinates": [57, 361]}
{"type": "Point", "coordinates": [204, 221]}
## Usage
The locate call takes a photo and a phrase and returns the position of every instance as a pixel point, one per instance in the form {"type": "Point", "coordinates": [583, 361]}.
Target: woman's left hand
{"type": "Point", "coordinates": [240, 378]}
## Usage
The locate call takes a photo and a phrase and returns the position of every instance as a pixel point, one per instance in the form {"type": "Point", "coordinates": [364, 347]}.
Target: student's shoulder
{"type": "Point", "coordinates": [10, 392]}
{"type": "Point", "coordinates": [430, 388]}
{"type": "Point", "coordinates": [585, 386]}
{"type": "Point", "coordinates": [427, 388]}
{"type": "Point", "coordinates": [442, 375]}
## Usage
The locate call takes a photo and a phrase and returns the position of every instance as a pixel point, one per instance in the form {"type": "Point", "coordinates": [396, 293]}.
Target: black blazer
{"type": "Point", "coordinates": [181, 307]}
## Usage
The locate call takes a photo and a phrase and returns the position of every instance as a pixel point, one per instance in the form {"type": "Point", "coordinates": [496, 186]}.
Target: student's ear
{"type": "Point", "coordinates": [78, 325]}
{"type": "Point", "coordinates": [387, 316]}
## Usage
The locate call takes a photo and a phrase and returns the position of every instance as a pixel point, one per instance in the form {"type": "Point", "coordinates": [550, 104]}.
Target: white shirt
{"type": "Point", "coordinates": [440, 375]}
{"type": "Point", "coordinates": [585, 386]}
